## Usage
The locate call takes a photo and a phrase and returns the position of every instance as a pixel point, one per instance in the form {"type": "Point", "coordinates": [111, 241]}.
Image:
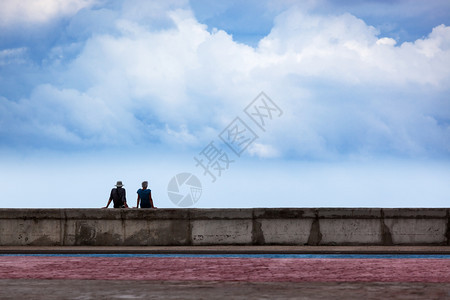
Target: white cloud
{"type": "Point", "coordinates": [66, 116]}
{"type": "Point", "coordinates": [263, 150]}
{"type": "Point", "coordinates": [345, 49]}
{"type": "Point", "coordinates": [344, 88]}
{"type": "Point", "coordinates": [13, 56]}
{"type": "Point", "coordinates": [38, 11]}
{"type": "Point", "coordinates": [386, 41]}
{"type": "Point", "coordinates": [180, 137]}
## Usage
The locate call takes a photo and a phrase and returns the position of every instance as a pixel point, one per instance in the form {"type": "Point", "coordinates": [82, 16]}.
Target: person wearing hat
{"type": "Point", "coordinates": [118, 195]}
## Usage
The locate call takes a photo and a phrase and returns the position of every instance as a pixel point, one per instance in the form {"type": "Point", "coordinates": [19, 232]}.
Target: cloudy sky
{"type": "Point", "coordinates": [94, 91]}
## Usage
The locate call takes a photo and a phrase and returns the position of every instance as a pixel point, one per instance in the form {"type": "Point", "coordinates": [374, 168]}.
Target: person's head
{"type": "Point", "coordinates": [144, 184]}
{"type": "Point", "coordinates": [119, 184]}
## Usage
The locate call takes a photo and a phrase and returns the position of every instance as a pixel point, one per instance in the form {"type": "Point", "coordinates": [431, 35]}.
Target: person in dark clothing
{"type": "Point", "coordinates": [145, 197]}
{"type": "Point", "coordinates": [118, 196]}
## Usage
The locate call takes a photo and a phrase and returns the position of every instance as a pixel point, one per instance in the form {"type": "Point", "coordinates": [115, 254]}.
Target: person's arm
{"type": "Point", "coordinates": [109, 200]}
{"type": "Point", "coordinates": [125, 198]}
{"type": "Point", "coordinates": [151, 200]}
{"type": "Point", "coordinates": [138, 200]}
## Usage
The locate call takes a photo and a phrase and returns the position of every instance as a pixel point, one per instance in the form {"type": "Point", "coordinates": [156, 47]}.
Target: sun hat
{"type": "Point", "coordinates": [119, 184]}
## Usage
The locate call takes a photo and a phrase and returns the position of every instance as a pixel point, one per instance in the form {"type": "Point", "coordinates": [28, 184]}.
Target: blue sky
{"type": "Point", "coordinates": [97, 91]}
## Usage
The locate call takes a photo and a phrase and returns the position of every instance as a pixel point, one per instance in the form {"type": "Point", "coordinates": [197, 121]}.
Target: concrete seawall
{"type": "Point", "coordinates": [257, 226]}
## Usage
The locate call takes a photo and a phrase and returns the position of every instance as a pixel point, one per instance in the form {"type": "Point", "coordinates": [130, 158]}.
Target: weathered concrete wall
{"type": "Point", "coordinates": [258, 226]}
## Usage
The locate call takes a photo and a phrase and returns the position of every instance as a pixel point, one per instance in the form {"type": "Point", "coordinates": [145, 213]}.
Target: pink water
{"type": "Point", "coordinates": [226, 269]}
